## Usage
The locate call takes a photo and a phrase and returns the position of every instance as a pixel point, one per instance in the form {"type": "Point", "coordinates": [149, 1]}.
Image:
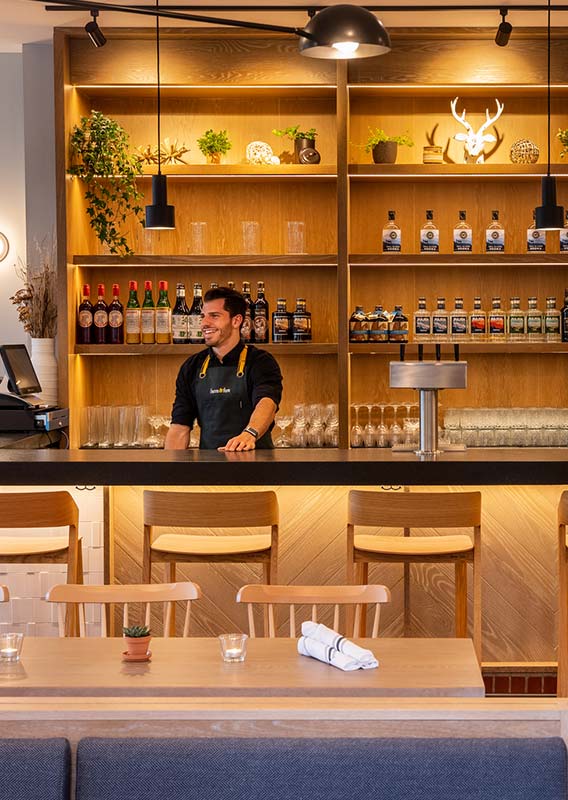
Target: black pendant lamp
{"type": "Point", "coordinates": [549, 216]}
{"type": "Point", "coordinates": [159, 216]}
{"type": "Point", "coordinates": [344, 31]}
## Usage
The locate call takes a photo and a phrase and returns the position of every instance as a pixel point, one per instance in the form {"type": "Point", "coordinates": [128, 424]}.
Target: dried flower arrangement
{"type": "Point", "coordinates": [36, 300]}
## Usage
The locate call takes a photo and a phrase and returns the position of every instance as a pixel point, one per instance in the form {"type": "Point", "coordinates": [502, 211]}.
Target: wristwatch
{"type": "Point", "coordinates": [252, 431]}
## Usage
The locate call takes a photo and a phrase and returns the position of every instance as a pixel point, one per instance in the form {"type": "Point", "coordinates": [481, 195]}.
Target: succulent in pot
{"type": "Point", "coordinates": [214, 145]}
{"type": "Point", "coordinates": [385, 147]}
{"type": "Point", "coordinates": [137, 639]}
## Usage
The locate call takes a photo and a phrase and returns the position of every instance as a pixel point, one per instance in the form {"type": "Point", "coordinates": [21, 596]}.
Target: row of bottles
{"type": "Point", "coordinates": [462, 237]}
{"type": "Point", "coordinates": [378, 325]}
{"type": "Point", "coordinates": [158, 323]}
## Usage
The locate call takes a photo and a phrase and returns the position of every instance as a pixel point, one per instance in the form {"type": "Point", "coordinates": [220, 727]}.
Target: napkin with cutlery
{"type": "Point", "coordinates": [325, 644]}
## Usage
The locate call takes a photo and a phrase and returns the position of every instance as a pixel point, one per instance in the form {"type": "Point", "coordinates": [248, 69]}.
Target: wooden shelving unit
{"type": "Point", "coordinates": [300, 349]}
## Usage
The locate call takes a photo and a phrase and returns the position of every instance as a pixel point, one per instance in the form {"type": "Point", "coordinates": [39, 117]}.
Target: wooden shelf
{"type": "Point", "coordinates": [229, 262]}
{"type": "Point", "coordinates": [472, 172]}
{"type": "Point", "coordinates": [246, 172]}
{"type": "Point", "coordinates": [284, 349]}
{"type": "Point", "coordinates": [466, 348]}
{"type": "Point", "coordinates": [206, 91]}
{"type": "Point", "coordinates": [453, 89]}
{"type": "Point", "coordinates": [389, 260]}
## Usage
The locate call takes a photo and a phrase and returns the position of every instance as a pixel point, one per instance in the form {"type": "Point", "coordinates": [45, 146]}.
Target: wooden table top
{"type": "Point", "coordinates": [273, 668]}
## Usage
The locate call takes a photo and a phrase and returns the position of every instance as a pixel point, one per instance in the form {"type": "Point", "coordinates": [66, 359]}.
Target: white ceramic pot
{"type": "Point", "coordinates": [45, 365]}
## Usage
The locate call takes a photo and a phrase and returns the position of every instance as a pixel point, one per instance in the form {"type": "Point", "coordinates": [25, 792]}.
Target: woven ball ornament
{"type": "Point", "coordinates": [524, 151]}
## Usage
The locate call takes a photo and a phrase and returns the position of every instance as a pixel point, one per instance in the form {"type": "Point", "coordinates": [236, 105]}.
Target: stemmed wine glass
{"type": "Point", "coordinates": [396, 430]}
{"type": "Point", "coordinates": [282, 440]}
{"type": "Point", "coordinates": [155, 422]}
{"type": "Point", "coordinates": [382, 430]}
{"type": "Point", "coordinates": [356, 436]}
{"type": "Point", "coordinates": [369, 432]}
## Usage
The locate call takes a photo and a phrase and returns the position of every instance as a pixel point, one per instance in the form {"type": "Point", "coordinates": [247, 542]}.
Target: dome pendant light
{"type": "Point", "coordinates": [549, 216]}
{"type": "Point", "coordinates": [344, 31]}
{"type": "Point", "coordinates": [159, 216]}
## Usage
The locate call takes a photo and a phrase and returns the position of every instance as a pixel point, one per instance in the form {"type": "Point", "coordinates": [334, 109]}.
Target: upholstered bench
{"type": "Point", "coordinates": [34, 769]}
{"type": "Point", "coordinates": [321, 769]}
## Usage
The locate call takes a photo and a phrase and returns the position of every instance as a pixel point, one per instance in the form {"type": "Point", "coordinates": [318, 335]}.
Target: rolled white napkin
{"type": "Point", "coordinates": [327, 636]}
{"type": "Point", "coordinates": [329, 655]}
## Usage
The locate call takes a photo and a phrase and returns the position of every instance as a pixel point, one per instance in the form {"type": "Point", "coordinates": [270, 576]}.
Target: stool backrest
{"type": "Point", "coordinates": [210, 510]}
{"type": "Point", "coordinates": [563, 509]}
{"type": "Point", "coordinates": [414, 509]}
{"type": "Point", "coordinates": [38, 510]}
{"type": "Point", "coordinates": [292, 596]}
{"type": "Point", "coordinates": [79, 595]}
{"type": "Point", "coordinates": [4, 594]}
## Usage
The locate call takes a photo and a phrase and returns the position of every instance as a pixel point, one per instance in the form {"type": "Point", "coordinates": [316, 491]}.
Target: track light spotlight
{"type": "Point", "coordinates": [504, 30]}
{"type": "Point", "coordinates": [96, 36]}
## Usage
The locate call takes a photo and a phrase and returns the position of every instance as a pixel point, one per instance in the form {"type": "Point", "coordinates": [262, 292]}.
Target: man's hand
{"type": "Point", "coordinates": [244, 441]}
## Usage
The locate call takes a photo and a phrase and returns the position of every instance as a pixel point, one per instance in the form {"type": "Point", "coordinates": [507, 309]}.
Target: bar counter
{"type": "Point", "coordinates": [317, 467]}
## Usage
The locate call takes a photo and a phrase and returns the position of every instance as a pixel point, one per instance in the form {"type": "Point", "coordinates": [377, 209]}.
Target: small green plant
{"type": "Point", "coordinates": [211, 143]}
{"type": "Point", "coordinates": [377, 135]}
{"type": "Point", "coordinates": [563, 136]}
{"type": "Point", "coordinates": [101, 159]}
{"type": "Point", "coordinates": [294, 133]}
{"type": "Point", "coordinates": [136, 631]}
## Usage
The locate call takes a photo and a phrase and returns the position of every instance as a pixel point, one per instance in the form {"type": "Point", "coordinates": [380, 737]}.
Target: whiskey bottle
{"type": "Point", "coordinates": [422, 322]}
{"type": "Point", "coordinates": [180, 317]}
{"type": "Point", "coordinates": [516, 321]}
{"type": "Point", "coordinates": [246, 329]}
{"type": "Point", "coordinates": [536, 239]}
{"type": "Point", "coordinates": [231, 285]}
{"type": "Point", "coordinates": [100, 316]}
{"type": "Point", "coordinates": [281, 322]}
{"type": "Point", "coordinates": [132, 317]}
{"type": "Point", "coordinates": [115, 332]}
{"type": "Point", "coordinates": [458, 321]}
{"type": "Point", "coordinates": [391, 235]}
{"type": "Point", "coordinates": [463, 236]}
{"type": "Point", "coordinates": [496, 321]}
{"type": "Point", "coordinates": [260, 316]}
{"type": "Point", "coordinates": [359, 326]}
{"type": "Point", "coordinates": [163, 315]}
{"type": "Point", "coordinates": [564, 236]}
{"type": "Point", "coordinates": [378, 325]}
{"type": "Point", "coordinates": [477, 322]}
{"type": "Point", "coordinates": [195, 334]}
{"type": "Point", "coordinates": [301, 322]}
{"type": "Point", "coordinates": [85, 317]}
{"type": "Point", "coordinates": [213, 285]}
{"type": "Point", "coordinates": [564, 318]}
{"type": "Point", "coordinates": [398, 328]}
{"type": "Point", "coordinates": [440, 321]}
{"type": "Point", "coordinates": [429, 235]}
{"type": "Point", "coordinates": [495, 235]}
{"type": "Point", "coordinates": [148, 315]}
{"type": "Point", "coordinates": [535, 327]}
{"type": "Point", "coordinates": [551, 321]}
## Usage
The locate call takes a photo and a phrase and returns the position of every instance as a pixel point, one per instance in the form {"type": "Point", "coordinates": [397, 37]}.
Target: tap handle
{"type": "Point", "coordinates": [402, 352]}
{"type": "Point", "coordinates": [456, 352]}
{"type": "Point", "coordinates": [420, 352]}
{"type": "Point", "coordinates": [438, 352]}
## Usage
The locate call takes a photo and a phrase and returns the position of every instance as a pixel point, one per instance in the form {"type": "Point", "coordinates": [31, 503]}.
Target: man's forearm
{"type": "Point", "coordinates": [263, 415]}
{"type": "Point", "coordinates": [177, 437]}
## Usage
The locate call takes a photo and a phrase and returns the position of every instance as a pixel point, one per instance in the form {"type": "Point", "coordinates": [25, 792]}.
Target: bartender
{"type": "Point", "coordinates": [231, 389]}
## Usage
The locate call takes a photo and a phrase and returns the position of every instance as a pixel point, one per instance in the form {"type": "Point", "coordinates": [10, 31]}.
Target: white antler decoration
{"type": "Point", "coordinates": [474, 141]}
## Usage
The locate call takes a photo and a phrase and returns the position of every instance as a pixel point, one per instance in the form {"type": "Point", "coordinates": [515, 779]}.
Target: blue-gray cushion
{"type": "Point", "coordinates": [321, 769]}
{"type": "Point", "coordinates": [34, 769]}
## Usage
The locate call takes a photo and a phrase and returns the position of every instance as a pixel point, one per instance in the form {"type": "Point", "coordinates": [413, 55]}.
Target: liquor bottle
{"type": "Point", "coordinates": [231, 285]}
{"type": "Point", "coordinates": [281, 322]}
{"type": "Point", "coordinates": [440, 321]}
{"type": "Point", "coordinates": [463, 235]}
{"type": "Point", "coordinates": [429, 235]}
{"type": "Point", "coordinates": [564, 236]}
{"type": "Point", "coordinates": [180, 316]}
{"type": "Point", "coordinates": [391, 235]}
{"type": "Point", "coordinates": [516, 321]}
{"type": "Point", "coordinates": [85, 317]}
{"type": "Point", "coordinates": [132, 316]}
{"type": "Point", "coordinates": [477, 322]}
{"type": "Point", "coordinates": [495, 235]}
{"type": "Point", "coordinates": [195, 333]}
{"type": "Point", "coordinates": [378, 325]}
{"type": "Point", "coordinates": [214, 285]}
{"type": "Point", "coordinates": [458, 321]}
{"type": "Point", "coordinates": [246, 329]}
{"type": "Point", "coordinates": [260, 316]}
{"type": "Point", "coordinates": [398, 328]}
{"type": "Point", "coordinates": [551, 321]}
{"type": "Point", "coordinates": [496, 321]}
{"type": "Point", "coordinates": [536, 239]}
{"type": "Point", "coordinates": [100, 316]}
{"type": "Point", "coordinates": [115, 331]}
{"type": "Point", "coordinates": [564, 317]}
{"type": "Point", "coordinates": [163, 315]}
{"type": "Point", "coordinates": [148, 315]}
{"type": "Point", "coordinates": [301, 322]}
{"type": "Point", "coordinates": [422, 322]}
{"type": "Point", "coordinates": [359, 326]}
{"type": "Point", "coordinates": [535, 326]}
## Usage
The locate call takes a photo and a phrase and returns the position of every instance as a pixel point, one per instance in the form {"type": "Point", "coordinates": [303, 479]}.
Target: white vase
{"type": "Point", "coordinates": [45, 365]}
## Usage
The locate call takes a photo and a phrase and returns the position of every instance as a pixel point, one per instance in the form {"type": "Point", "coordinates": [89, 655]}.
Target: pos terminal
{"type": "Point", "coordinates": [20, 407]}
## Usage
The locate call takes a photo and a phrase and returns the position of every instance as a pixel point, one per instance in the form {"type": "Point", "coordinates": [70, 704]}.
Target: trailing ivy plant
{"type": "Point", "coordinates": [101, 158]}
{"type": "Point", "coordinates": [294, 132]}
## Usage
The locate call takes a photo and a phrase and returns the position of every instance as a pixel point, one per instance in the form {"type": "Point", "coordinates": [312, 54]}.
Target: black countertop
{"type": "Point", "coordinates": [288, 467]}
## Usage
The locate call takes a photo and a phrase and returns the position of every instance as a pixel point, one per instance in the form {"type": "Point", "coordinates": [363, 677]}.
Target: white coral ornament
{"type": "Point", "coordinates": [260, 153]}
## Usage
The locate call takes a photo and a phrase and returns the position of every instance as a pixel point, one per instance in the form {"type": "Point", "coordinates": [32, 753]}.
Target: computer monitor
{"type": "Point", "coordinates": [23, 380]}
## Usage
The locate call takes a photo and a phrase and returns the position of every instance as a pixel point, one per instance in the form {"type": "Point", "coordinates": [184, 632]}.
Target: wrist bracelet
{"type": "Point", "coordinates": [252, 431]}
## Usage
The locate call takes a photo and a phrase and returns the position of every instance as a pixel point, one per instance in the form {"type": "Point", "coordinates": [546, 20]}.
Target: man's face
{"type": "Point", "coordinates": [217, 324]}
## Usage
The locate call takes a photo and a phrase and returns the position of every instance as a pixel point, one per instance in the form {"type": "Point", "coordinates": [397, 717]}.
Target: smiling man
{"type": "Point", "coordinates": [232, 390]}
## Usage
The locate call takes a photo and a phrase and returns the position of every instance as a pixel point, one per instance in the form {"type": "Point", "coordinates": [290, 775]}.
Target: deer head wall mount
{"type": "Point", "coordinates": [474, 141]}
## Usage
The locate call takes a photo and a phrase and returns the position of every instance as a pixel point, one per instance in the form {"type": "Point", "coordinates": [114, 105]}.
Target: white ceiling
{"type": "Point", "coordinates": [25, 21]}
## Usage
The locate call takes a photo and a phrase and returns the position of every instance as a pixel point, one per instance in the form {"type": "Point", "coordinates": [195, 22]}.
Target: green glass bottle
{"type": "Point", "coordinates": [132, 315]}
{"type": "Point", "coordinates": [163, 316]}
{"type": "Point", "coordinates": [148, 315]}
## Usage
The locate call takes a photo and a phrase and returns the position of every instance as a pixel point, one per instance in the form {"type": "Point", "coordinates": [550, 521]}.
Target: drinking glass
{"type": "Point", "coordinates": [370, 432]}
{"type": "Point", "coordinates": [106, 423]}
{"type": "Point", "coordinates": [295, 238]}
{"type": "Point", "coordinates": [155, 422]}
{"type": "Point", "coordinates": [125, 425]}
{"type": "Point", "coordinates": [138, 436]}
{"type": "Point", "coordinates": [356, 435]}
{"type": "Point", "coordinates": [382, 432]}
{"type": "Point", "coordinates": [11, 646]}
{"type": "Point", "coordinates": [298, 437]}
{"type": "Point", "coordinates": [282, 440]}
{"type": "Point", "coordinates": [198, 238]}
{"type": "Point", "coordinates": [233, 646]}
{"type": "Point", "coordinates": [395, 430]}
{"type": "Point", "coordinates": [89, 427]}
{"type": "Point", "coordinates": [315, 434]}
{"type": "Point", "coordinates": [251, 237]}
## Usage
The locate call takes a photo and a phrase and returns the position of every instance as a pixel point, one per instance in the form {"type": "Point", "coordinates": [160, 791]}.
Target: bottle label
{"type": "Point", "coordinates": [439, 324]}
{"type": "Point", "coordinates": [163, 320]}
{"type": "Point", "coordinates": [148, 316]}
{"type": "Point", "coordinates": [379, 331]}
{"type": "Point", "coordinates": [516, 324]}
{"type": "Point", "coordinates": [246, 327]}
{"type": "Point", "coordinates": [302, 328]}
{"type": "Point", "coordinates": [494, 240]}
{"type": "Point", "coordinates": [392, 240]}
{"type": "Point", "coordinates": [552, 324]}
{"type": "Point", "coordinates": [430, 240]}
{"type": "Point", "coordinates": [463, 241]}
{"type": "Point", "coordinates": [85, 319]}
{"type": "Point", "coordinates": [399, 332]}
{"type": "Point", "coordinates": [115, 319]}
{"type": "Point", "coordinates": [534, 324]}
{"type": "Point", "coordinates": [194, 327]}
{"type": "Point", "coordinates": [132, 320]}
{"type": "Point", "coordinates": [422, 325]}
{"type": "Point", "coordinates": [478, 324]}
{"type": "Point", "coordinates": [100, 319]}
{"type": "Point", "coordinates": [536, 241]}
{"type": "Point", "coordinates": [260, 325]}
{"type": "Point", "coordinates": [179, 326]}
{"type": "Point", "coordinates": [459, 324]}
{"type": "Point", "coordinates": [359, 331]}
{"type": "Point", "coordinates": [496, 324]}
{"type": "Point", "coordinates": [564, 240]}
{"type": "Point", "coordinates": [280, 328]}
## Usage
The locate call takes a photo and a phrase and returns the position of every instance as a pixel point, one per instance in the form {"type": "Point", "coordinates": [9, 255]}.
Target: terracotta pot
{"type": "Point", "coordinates": [385, 152]}
{"type": "Point", "coordinates": [137, 646]}
{"type": "Point", "coordinates": [214, 158]}
{"type": "Point", "coordinates": [301, 144]}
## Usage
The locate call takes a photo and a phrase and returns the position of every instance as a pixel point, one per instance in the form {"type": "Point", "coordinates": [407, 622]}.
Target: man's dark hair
{"type": "Point", "coordinates": [234, 302]}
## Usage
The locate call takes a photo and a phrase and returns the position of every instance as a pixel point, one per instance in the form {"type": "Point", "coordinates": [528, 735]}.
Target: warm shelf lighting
{"type": "Point", "coordinates": [95, 34]}
{"type": "Point", "coordinates": [504, 30]}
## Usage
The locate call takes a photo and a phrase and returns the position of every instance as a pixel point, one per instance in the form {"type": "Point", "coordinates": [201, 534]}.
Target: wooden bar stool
{"type": "Point", "coordinates": [562, 689]}
{"type": "Point", "coordinates": [419, 510]}
{"type": "Point", "coordinates": [4, 594]}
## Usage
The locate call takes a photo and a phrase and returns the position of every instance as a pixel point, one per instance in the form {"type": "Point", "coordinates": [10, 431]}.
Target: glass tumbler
{"type": "Point", "coordinates": [251, 237]}
{"type": "Point", "coordinates": [198, 238]}
{"type": "Point", "coordinates": [295, 244]}
{"type": "Point", "coordinates": [233, 646]}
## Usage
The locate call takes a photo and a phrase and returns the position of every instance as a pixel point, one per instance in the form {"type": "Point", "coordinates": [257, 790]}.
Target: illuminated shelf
{"type": "Point", "coordinates": [206, 90]}
{"type": "Point", "coordinates": [389, 260]}
{"type": "Point", "coordinates": [284, 349]}
{"type": "Point", "coordinates": [465, 348]}
{"type": "Point", "coordinates": [454, 171]}
{"type": "Point", "coordinates": [202, 262]}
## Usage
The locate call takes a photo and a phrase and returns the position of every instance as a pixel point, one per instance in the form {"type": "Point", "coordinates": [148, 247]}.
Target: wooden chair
{"type": "Point", "coordinates": [4, 594]}
{"type": "Point", "coordinates": [79, 596]}
{"type": "Point", "coordinates": [292, 596]}
{"type": "Point", "coordinates": [419, 510]}
{"type": "Point", "coordinates": [562, 689]}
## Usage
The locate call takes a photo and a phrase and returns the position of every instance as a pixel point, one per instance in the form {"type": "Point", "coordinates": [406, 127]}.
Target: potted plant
{"type": "Point", "coordinates": [563, 136]}
{"type": "Point", "coordinates": [384, 147]}
{"type": "Point", "coordinates": [302, 139]}
{"type": "Point", "coordinates": [137, 640]}
{"type": "Point", "coordinates": [100, 157]}
{"type": "Point", "coordinates": [214, 145]}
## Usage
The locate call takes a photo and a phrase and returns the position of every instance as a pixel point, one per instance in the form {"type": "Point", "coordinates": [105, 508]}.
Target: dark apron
{"type": "Point", "coordinates": [223, 405]}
